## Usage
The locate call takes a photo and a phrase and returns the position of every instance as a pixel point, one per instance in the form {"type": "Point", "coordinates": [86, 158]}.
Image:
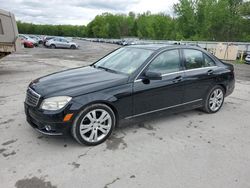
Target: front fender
{"type": "Point", "coordinates": [119, 97]}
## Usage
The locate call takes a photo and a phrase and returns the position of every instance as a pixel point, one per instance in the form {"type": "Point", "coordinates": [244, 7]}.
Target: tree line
{"type": "Point", "coordinates": [212, 20]}
{"type": "Point", "coordinates": [53, 30]}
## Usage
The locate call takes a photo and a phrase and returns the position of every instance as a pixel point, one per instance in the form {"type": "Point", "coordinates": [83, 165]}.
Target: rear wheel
{"type": "Point", "coordinates": [52, 46]}
{"type": "Point", "coordinates": [94, 124]}
{"type": "Point", "coordinates": [72, 47]}
{"type": "Point", "coordinates": [214, 99]}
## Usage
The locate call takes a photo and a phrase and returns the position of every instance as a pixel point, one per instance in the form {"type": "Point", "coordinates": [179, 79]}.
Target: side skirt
{"type": "Point", "coordinates": [169, 107]}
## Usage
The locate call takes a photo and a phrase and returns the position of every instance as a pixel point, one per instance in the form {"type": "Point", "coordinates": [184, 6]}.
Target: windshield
{"type": "Point", "coordinates": [124, 60]}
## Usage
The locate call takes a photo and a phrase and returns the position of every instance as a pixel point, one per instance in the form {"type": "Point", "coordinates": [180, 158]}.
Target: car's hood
{"type": "Point", "coordinates": [75, 82]}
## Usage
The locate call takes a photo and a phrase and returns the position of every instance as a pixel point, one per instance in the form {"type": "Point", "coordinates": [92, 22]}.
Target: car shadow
{"type": "Point", "coordinates": [146, 122]}
{"type": "Point", "coordinates": [149, 120]}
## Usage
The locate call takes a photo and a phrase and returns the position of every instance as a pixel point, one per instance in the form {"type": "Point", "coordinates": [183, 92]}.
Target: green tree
{"type": "Point", "coordinates": [220, 20]}
{"type": "Point", "coordinates": [186, 22]}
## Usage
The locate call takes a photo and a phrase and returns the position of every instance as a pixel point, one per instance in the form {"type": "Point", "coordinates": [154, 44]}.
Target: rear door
{"type": "Point", "coordinates": [65, 43]}
{"type": "Point", "coordinates": [57, 42]}
{"type": "Point", "coordinates": [154, 95]}
{"type": "Point", "coordinates": [199, 74]}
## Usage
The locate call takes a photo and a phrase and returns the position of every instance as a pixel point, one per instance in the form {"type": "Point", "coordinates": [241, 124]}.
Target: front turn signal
{"type": "Point", "coordinates": [67, 117]}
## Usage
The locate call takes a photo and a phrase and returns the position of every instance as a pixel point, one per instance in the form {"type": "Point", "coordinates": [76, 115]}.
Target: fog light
{"type": "Point", "coordinates": [47, 127]}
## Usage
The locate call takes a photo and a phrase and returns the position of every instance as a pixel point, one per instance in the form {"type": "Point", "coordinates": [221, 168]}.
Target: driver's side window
{"type": "Point", "coordinates": [166, 62]}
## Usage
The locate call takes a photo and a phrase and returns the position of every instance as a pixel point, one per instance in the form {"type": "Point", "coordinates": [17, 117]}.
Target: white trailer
{"type": "Point", "coordinates": [8, 34]}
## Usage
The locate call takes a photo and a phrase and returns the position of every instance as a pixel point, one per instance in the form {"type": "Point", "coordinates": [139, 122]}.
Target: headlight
{"type": "Point", "coordinates": [55, 103]}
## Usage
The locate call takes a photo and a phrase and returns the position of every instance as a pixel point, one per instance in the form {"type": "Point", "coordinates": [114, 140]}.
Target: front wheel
{"type": "Point", "coordinates": [214, 99]}
{"type": "Point", "coordinates": [94, 124]}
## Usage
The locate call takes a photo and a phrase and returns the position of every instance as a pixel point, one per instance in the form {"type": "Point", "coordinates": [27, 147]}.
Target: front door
{"type": "Point", "coordinates": [154, 95]}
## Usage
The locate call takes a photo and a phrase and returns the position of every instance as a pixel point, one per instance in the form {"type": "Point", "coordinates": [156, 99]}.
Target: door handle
{"type": "Point", "coordinates": [210, 72]}
{"type": "Point", "coordinates": [177, 79]}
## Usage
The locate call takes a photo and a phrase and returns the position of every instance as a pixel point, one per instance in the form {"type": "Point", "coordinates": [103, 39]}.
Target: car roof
{"type": "Point", "coordinates": [149, 46]}
{"type": "Point", "coordinates": [158, 47]}
{"type": "Point", "coordinates": [59, 38]}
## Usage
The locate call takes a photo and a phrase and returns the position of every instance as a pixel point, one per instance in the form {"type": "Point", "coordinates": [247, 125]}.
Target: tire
{"type": "Point", "coordinates": [214, 100]}
{"type": "Point", "coordinates": [72, 47]}
{"type": "Point", "coordinates": [91, 131]}
{"type": "Point", "coordinates": [52, 46]}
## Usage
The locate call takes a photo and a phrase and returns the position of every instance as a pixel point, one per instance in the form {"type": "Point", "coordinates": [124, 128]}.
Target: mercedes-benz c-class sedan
{"type": "Point", "coordinates": [130, 82]}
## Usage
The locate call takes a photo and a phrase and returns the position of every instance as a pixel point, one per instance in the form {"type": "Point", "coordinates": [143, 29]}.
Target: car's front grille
{"type": "Point", "coordinates": [32, 98]}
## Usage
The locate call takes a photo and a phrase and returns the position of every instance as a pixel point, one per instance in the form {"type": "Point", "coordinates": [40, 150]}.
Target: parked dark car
{"type": "Point", "coordinates": [130, 82]}
{"type": "Point", "coordinates": [247, 58]}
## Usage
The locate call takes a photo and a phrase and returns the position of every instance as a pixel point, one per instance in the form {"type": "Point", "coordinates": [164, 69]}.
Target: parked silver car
{"type": "Point", "coordinates": [60, 42]}
{"type": "Point", "coordinates": [36, 38]}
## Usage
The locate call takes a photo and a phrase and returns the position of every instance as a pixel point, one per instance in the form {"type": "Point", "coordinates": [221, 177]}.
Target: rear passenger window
{"type": "Point", "coordinates": [208, 62]}
{"type": "Point", "coordinates": [196, 59]}
{"type": "Point", "coordinates": [193, 59]}
{"type": "Point", "coordinates": [166, 62]}
{"type": "Point", "coordinates": [1, 28]}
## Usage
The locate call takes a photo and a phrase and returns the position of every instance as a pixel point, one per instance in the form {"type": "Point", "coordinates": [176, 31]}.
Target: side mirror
{"type": "Point", "coordinates": [153, 75]}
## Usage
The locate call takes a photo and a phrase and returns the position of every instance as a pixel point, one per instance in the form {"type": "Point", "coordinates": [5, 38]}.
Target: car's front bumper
{"type": "Point", "coordinates": [49, 124]}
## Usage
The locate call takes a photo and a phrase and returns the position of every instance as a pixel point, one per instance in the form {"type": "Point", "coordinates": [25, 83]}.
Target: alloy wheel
{"type": "Point", "coordinates": [216, 99]}
{"type": "Point", "coordinates": [95, 125]}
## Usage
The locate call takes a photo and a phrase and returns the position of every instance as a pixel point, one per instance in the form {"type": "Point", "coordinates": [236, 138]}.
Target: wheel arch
{"type": "Point", "coordinates": [217, 84]}
{"type": "Point", "coordinates": [205, 107]}
{"type": "Point", "coordinates": [108, 103]}
{"type": "Point", "coordinates": [223, 86]}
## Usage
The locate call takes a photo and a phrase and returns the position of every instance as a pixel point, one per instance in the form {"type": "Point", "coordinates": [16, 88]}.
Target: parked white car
{"type": "Point", "coordinates": [60, 42]}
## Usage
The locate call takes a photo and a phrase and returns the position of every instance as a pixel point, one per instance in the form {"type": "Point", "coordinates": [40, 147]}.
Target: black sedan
{"type": "Point", "coordinates": [130, 82]}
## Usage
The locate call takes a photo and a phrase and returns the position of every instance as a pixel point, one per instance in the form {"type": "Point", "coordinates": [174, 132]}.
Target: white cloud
{"type": "Point", "coordinates": [78, 12]}
{"type": "Point", "coordinates": [155, 6]}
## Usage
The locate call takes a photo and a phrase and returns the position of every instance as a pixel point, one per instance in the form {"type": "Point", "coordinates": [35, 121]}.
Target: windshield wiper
{"type": "Point", "coordinates": [106, 69]}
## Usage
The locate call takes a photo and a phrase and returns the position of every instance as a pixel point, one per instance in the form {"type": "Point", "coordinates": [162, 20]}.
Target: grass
{"type": "Point", "coordinates": [238, 61]}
